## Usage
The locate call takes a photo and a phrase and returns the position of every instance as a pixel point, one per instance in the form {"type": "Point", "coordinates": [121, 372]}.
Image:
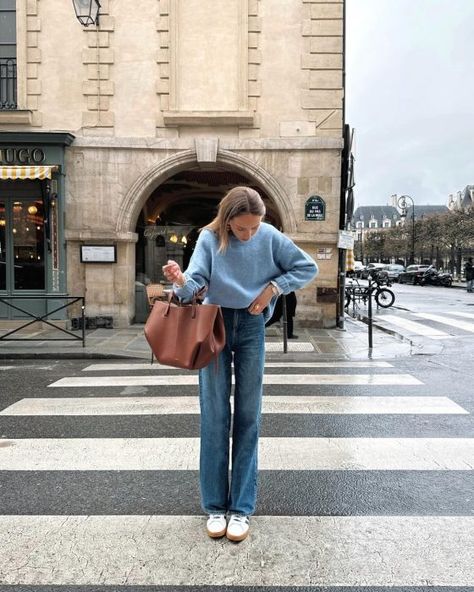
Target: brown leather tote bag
{"type": "Point", "coordinates": [185, 336]}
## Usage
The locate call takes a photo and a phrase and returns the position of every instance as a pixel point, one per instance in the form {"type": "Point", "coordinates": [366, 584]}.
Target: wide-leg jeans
{"type": "Point", "coordinates": [245, 346]}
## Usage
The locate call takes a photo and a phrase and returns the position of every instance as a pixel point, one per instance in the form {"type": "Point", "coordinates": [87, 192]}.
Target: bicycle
{"type": "Point", "coordinates": [384, 297]}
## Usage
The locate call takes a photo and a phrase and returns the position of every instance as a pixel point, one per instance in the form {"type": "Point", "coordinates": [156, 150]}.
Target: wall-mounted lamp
{"type": "Point", "coordinates": [87, 11]}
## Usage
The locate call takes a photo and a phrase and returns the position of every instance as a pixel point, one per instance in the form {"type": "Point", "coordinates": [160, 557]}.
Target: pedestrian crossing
{"type": "Point", "coordinates": [335, 510]}
{"type": "Point", "coordinates": [432, 326]}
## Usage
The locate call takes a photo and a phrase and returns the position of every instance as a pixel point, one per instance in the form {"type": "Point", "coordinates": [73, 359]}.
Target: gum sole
{"type": "Point", "coordinates": [216, 535]}
{"type": "Point", "coordinates": [237, 539]}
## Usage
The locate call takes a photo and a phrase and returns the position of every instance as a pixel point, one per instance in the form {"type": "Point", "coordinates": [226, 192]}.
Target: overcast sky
{"type": "Point", "coordinates": [410, 97]}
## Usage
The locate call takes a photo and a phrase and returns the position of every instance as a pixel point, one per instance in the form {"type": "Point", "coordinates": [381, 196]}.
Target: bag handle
{"type": "Point", "coordinates": [197, 295]}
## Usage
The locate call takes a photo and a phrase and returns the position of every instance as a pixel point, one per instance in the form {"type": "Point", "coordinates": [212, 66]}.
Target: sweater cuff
{"type": "Point", "coordinates": [282, 285]}
{"type": "Point", "coordinates": [277, 287]}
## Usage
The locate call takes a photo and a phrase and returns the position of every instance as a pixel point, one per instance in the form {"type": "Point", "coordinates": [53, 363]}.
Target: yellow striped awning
{"type": "Point", "coordinates": [26, 172]}
{"type": "Point", "coordinates": [350, 260]}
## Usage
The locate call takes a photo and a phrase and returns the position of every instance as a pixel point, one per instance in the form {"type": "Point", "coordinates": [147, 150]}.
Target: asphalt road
{"type": "Point", "coordinates": [364, 485]}
{"type": "Point", "coordinates": [442, 318]}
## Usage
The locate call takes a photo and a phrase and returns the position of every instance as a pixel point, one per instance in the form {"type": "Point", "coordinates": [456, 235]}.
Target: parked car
{"type": "Point", "coordinates": [371, 269]}
{"type": "Point", "coordinates": [412, 274]}
{"type": "Point", "coordinates": [393, 271]}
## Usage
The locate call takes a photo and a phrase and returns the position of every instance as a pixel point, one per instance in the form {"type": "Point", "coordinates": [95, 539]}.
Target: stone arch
{"type": "Point", "coordinates": [144, 186]}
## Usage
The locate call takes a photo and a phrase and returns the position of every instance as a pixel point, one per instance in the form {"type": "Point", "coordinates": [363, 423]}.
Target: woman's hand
{"type": "Point", "coordinates": [172, 272]}
{"type": "Point", "coordinates": [262, 301]}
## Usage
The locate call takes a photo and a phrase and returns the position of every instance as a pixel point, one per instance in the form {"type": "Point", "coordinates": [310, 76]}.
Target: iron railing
{"type": "Point", "coordinates": [71, 300]}
{"type": "Point", "coordinates": [8, 84]}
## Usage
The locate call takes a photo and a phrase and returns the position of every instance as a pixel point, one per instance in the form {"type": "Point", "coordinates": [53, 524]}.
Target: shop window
{"type": "Point", "coordinates": [8, 57]}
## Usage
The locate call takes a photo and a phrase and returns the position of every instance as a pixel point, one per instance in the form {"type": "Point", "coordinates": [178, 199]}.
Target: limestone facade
{"type": "Point", "coordinates": [163, 88]}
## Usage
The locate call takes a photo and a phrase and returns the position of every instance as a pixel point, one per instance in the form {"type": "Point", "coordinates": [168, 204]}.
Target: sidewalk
{"type": "Point", "coordinates": [312, 345]}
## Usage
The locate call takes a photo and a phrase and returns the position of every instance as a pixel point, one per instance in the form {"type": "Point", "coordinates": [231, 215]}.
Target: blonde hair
{"type": "Point", "coordinates": [239, 200]}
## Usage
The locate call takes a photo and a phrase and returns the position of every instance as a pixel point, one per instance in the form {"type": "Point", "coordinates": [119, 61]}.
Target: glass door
{"type": "Point", "coordinates": [22, 253]}
{"type": "Point", "coordinates": [28, 244]}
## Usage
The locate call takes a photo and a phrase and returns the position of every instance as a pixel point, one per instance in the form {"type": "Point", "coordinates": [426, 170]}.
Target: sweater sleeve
{"type": "Point", "coordinates": [199, 269]}
{"type": "Point", "coordinates": [297, 266]}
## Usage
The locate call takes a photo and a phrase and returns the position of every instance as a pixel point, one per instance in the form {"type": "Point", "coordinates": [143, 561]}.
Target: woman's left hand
{"type": "Point", "coordinates": [262, 301]}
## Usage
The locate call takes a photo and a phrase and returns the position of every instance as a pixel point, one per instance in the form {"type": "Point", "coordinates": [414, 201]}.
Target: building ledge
{"type": "Point", "coordinates": [15, 117]}
{"type": "Point", "coordinates": [239, 118]}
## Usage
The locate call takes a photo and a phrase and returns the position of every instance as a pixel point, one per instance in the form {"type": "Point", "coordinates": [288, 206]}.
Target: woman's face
{"type": "Point", "coordinates": [245, 226]}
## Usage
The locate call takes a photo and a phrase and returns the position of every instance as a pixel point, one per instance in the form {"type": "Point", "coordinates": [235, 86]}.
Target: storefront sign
{"type": "Point", "coordinates": [315, 208]}
{"type": "Point", "coordinates": [22, 156]}
{"type": "Point", "coordinates": [98, 254]}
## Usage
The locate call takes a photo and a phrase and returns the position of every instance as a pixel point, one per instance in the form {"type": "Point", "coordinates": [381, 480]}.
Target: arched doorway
{"type": "Point", "coordinates": [169, 222]}
{"type": "Point", "coordinates": [193, 190]}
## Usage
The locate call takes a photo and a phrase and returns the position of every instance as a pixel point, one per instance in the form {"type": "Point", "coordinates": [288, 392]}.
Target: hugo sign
{"type": "Point", "coordinates": [22, 156]}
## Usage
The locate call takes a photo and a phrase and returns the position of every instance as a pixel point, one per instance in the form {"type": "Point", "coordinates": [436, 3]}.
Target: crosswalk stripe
{"type": "Point", "coordinates": [182, 454]}
{"type": "Point", "coordinates": [292, 346]}
{"type": "Point", "coordinates": [283, 551]}
{"type": "Point", "coordinates": [271, 404]}
{"type": "Point", "coordinates": [415, 327]}
{"type": "Point", "coordinates": [192, 379]}
{"type": "Point", "coordinates": [467, 315]}
{"type": "Point", "coordinates": [446, 321]}
{"type": "Point", "coordinates": [136, 366]}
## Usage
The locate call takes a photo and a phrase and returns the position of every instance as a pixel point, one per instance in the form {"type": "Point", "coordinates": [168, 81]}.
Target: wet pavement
{"type": "Point", "coordinates": [312, 344]}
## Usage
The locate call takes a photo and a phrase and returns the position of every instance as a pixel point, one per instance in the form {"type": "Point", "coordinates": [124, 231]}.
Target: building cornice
{"type": "Point", "coordinates": [52, 138]}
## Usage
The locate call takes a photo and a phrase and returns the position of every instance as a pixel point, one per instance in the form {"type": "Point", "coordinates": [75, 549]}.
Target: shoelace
{"type": "Point", "coordinates": [215, 516]}
{"type": "Point", "coordinates": [240, 519]}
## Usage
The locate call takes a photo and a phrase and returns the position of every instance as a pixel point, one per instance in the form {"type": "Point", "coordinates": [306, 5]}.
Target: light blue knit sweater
{"type": "Point", "coordinates": [236, 277]}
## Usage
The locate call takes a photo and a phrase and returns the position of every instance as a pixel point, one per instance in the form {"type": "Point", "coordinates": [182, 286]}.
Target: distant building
{"type": "Point", "coordinates": [375, 218]}
{"type": "Point", "coordinates": [462, 200]}
{"type": "Point", "coordinates": [367, 218]}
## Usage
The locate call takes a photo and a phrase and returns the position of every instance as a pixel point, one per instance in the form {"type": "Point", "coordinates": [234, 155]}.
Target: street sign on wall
{"type": "Point", "coordinates": [315, 208]}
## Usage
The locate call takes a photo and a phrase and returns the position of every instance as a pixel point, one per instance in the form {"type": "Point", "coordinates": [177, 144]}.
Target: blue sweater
{"type": "Point", "coordinates": [236, 277]}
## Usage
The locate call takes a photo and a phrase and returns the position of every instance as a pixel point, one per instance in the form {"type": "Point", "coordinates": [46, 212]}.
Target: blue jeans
{"type": "Point", "coordinates": [245, 343]}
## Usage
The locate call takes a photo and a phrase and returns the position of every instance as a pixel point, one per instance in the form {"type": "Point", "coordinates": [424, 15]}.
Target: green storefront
{"type": "Point", "coordinates": [32, 196]}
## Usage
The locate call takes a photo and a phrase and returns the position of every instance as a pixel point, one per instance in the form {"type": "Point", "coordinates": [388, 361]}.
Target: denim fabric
{"type": "Point", "coordinates": [245, 345]}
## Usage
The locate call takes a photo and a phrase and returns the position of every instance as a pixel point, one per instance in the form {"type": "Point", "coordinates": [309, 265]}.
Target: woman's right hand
{"type": "Point", "coordinates": [173, 273]}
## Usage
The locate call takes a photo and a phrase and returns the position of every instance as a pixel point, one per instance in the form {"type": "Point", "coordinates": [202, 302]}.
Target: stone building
{"type": "Point", "coordinates": [118, 140]}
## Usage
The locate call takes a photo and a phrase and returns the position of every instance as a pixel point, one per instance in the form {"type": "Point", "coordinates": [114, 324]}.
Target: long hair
{"type": "Point", "coordinates": [239, 200]}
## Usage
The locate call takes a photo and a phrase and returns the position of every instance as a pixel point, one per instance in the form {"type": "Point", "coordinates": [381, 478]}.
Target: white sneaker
{"type": "Point", "coordinates": [238, 528]}
{"type": "Point", "coordinates": [216, 525]}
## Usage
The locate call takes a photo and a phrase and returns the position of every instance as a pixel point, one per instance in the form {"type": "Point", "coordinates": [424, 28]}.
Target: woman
{"type": "Point", "coordinates": [244, 264]}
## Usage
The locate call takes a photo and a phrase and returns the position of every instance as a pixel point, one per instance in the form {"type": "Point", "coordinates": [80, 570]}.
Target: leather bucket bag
{"type": "Point", "coordinates": [185, 336]}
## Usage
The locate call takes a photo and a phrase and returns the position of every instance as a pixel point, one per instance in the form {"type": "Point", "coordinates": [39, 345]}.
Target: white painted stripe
{"type": "Point", "coordinates": [153, 454]}
{"type": "Point", "coordinates": [185, 405]}
{"type": "Point", "coordinates": [446, 321]}
{"type": "Point", "coordinates": [6, 367]}
{"type": "Point", "coordinates": [192, 379]}
{"type": "Point", "coordinates": [413, 326]}
{"type": "Point", "coordinates": [293, 346]}
{"type": "Point", "coordinates": [134, 366]}
{"type": "Point", "coordinates": [284, 551]}
{"type": "Point", "coordinates": [467, 315]}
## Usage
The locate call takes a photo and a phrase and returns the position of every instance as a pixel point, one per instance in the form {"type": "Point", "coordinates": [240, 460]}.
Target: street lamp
{"type": "Point", "coordinates": [402, 204]}
{"type": "Point", "coordinates": [87, 11]}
